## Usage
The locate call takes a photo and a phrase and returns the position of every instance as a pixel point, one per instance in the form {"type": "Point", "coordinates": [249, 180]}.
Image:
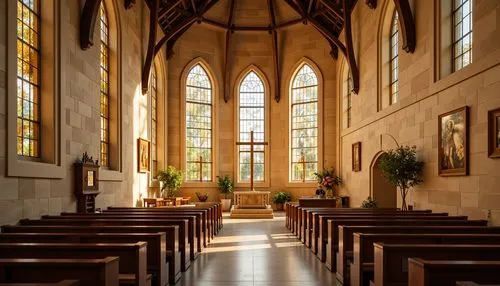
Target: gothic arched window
{"type": "Point", "coordinates": [394, 59]}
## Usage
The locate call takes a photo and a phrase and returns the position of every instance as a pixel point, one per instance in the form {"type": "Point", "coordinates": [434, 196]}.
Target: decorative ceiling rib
{"type": "Point", "coordinates": [175, 17]}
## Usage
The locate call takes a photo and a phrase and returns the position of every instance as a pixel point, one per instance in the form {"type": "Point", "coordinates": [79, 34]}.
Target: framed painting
{"type": "Point", "coordinates": [494, 133]}
{"type": "Point", "coordinates": [143, 153]}
{"type": "Point", "coordinates": [453, 143]}
{"type": "Point", "coordinates": [356, 157]}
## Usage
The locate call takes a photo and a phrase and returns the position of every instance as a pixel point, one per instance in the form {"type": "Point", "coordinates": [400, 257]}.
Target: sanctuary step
{"type": "Point", "coordinates": [252, 213]}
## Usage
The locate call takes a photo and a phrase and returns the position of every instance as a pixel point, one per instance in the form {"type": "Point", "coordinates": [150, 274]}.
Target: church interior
{"type": "Point", "coordinates": [250, 142]}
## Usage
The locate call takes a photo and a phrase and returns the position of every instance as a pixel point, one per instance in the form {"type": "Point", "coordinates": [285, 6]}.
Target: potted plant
{"type": "Point", "coordinates": [327, 180]}
{"type": "Point", "coordinates": [171, 181]}
{"type": "Point", "coordinates": [369, 203]}
{"type": "Point", "coordinates": [401, 168]}
{"type": "Point", "coordinates": [202, 197]}
{"type": "Point", "coordinates": [280, 198]}
{"type": "Point", "coordinates": [225, 185]}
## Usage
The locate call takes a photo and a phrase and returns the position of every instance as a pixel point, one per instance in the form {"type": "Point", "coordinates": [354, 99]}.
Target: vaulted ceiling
{"type": "Point", "coordinates": [328, 17]}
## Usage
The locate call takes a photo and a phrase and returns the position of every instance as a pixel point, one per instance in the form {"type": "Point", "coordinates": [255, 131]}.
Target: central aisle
{"type": "Point", "coordinates": [256, 253]}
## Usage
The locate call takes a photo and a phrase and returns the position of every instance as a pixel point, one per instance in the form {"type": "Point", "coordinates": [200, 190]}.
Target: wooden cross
{"type": "Point", "coordinates": [201, 167]}
{"type": "Point", "coordinates": [252, 143]}
{"type": "Point", "coordinates": [303, 162]}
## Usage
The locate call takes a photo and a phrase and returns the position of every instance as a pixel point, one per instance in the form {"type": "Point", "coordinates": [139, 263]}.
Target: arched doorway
{"type": "Point", "coordinates": [383, 192]}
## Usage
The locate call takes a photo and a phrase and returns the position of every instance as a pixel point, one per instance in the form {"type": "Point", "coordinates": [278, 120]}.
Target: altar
{"type": "Point", "coordinates": [252, 204]}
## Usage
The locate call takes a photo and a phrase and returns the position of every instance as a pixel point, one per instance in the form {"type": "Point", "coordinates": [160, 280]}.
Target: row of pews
{"type": "Point", "coordinates": [384, 247]}
{"type": "Point", "coordinates": [120, 246]}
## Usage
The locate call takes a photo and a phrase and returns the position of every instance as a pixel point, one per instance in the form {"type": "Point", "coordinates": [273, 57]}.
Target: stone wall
{"type": "Point", "coordinates": [423, 97]}
{"type": "Point", "coordinates": [30, 198]}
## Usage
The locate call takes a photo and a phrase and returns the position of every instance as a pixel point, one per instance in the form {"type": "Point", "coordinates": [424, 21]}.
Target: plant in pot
{"type": "Point", "coordinates": [280, 198]}
{"type": "Point", "coordinates": [202, 197]}
{"type": "Point", "coordinates": [225, 185]}
{"type": "Point", "coordinates": [171, 181]}
{"type": "Point", "coordinates": [401, 168]}
{"type": "Point", "coordinates": [328, 181]}
{"type": "Point", "coordinates": [369, 203]}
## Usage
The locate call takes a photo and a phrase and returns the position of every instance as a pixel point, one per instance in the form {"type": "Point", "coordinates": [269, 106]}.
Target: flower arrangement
{"type": "Point", "coordinates": [328, 180]}
{"type": "Point", "coordinates": [202, 197]}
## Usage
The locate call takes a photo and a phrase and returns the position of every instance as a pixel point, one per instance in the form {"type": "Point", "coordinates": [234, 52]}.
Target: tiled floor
{"type": "Point", "coordinates": [256, 253]}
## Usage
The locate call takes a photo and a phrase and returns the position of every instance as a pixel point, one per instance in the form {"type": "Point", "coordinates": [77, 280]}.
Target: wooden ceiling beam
{"type": "Point", "coordinates": [290, 23]}
{"type": "Point", "coordinates": [227, 87]}
{"type": "Point", "coordinates": [87, 23]}
{"type": "Point", "coordinates": [274, 35]}
{"type": "Point", "coordinates": [153, 24]}
{"type": "Point", "coordinates": [333, 7]}
{"type": "Point", "coordinates": [193, 4]}
{"type": "Point", "coordinates": [407, 25]}
{"type": "Point", "coordinates": [351, 58]}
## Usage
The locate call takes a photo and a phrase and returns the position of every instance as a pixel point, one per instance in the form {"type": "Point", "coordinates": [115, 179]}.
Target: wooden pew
{"type": "Point", "coordinates": [156, 252]}
{"type": "Point", "coordinates": [361, 270]}
{"type": "Point", "coordinates": [90, 272]}
{"type": "Point", "coordinates": [391, 260]}
{"type": "Point", "coordinates": [60, 283]}
{"type": "Point", "coordinates": [194, 232]}
{"type": "Point", "coordinates": [173, 254]}
{"type": "Point", "coordinates": [447, 273]}
{"type": "Point", "coordinates": [184, 240]}
{"type": "Point", "coordinates": [333, 235]}
{"type": "Point", "coordinates": [132, 266]}
{"type": "Point", "coordinates": [200, 223]}
{"type": "Point", "coordinates": [310, 218]}
{"type": "Point", "coordinates": [346, 234]}
{"type": "Point", "coordinates": [214, 210]}
{"type": "Point", "coordinates": [319, 224]}
{"type": "Point", "coordinates": [288, 213]}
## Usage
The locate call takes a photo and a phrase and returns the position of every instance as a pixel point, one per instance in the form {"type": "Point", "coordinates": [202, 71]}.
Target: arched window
{"type": "Point", "coordinates": [394, 59]}
{"type": "Point", "coordinates": [199, 125]}
{"type": "Point", "coordinates": [28, 78]}
{"type": "Point", "coordinates": [462, 33]}
{"type": "Point", "coordinates": [104, 69]}
{"type": "Point", "coordinates": [252, 117]}
{"type": "Point", "coordinates": [153, 91]}
{"type": "Point", "coordinates": [304, 128]}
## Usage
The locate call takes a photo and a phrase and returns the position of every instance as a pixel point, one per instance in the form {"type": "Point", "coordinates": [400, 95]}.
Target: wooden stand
{"type": "Point", "coordinates": [337, 202]}
{"type": "Point", "coordinates": [86, 186]}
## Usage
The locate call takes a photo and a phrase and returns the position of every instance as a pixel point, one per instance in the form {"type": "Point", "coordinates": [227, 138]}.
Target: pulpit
{"type": "Point", "coordinates": [251, 204]}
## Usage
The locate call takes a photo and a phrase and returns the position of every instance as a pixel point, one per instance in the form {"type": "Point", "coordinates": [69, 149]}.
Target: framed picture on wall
{"type": "Point", "coordinates": [494, 133]}
{"type": "Point", "coordinates": [453, 143]}
{"type": "Point", "coordinates": [143, 153]}
{"type": "Point", "coordinates": [356, 157]}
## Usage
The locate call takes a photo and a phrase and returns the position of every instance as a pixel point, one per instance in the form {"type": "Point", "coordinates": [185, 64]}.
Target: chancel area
{"type": "Point", "coordinates": [249, 142]}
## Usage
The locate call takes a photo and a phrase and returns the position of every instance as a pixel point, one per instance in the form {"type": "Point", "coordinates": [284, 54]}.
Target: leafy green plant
{"type": "Point", "coordinates": [328, 180]}
{"type": "Point", "coordinates": [282, 197]}
{"type": "Point", "coordinates": [225, 185]}
{"type": "Point", "coordinates": [171, 180]}
{"type": "Point", "coordinates": [369, 203]}
{"type": "Point", "coordinates": [202, 197]}
{"type": "Point", "coordinates": [401, 168]}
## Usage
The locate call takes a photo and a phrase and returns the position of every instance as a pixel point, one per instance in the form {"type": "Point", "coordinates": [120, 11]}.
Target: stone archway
{"type": "Point", "coordinates": [382, 190]}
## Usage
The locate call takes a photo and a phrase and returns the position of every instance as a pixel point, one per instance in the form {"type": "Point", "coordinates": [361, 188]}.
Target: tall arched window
{"type": "Point", "coordinates": [199, 111]}
{"type": "Point", "coordinates": [104, 69]}
{"type": "Point", "coordinates": [304, 120]}
{"type": "Point", "coordinates": [251, 118]}
{"type": "Point", "coordinates": [462, 33]}
{"type": "Point", "coordinates": [394, 59]}
{"type": "Point", "coordinates": [28, 78]}
{"type": "Point", "coordinates": [153, 91]}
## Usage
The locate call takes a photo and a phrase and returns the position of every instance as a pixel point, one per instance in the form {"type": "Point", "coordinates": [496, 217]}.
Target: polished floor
{"type": "Point", "coordinates": [256, 253]}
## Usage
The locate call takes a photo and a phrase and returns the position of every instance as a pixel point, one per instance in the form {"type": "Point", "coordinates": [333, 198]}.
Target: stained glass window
{"type": "Point", "coordinates": [153, 89]}
{"type": "Point", "coordinates": [199, 111]}
{"type": "Point", "coordinates": [394, 63]}
{"type": "Point", "coordinates": [28, 78]}
{"type": "Point", "coordinates": [462, 33]}
{"type": "Point", "coordinates": [251, 118]}
{"type": "Point", "coordinates": [104, 68]}
{"type": "Point", "coordinates": [304, 112]}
